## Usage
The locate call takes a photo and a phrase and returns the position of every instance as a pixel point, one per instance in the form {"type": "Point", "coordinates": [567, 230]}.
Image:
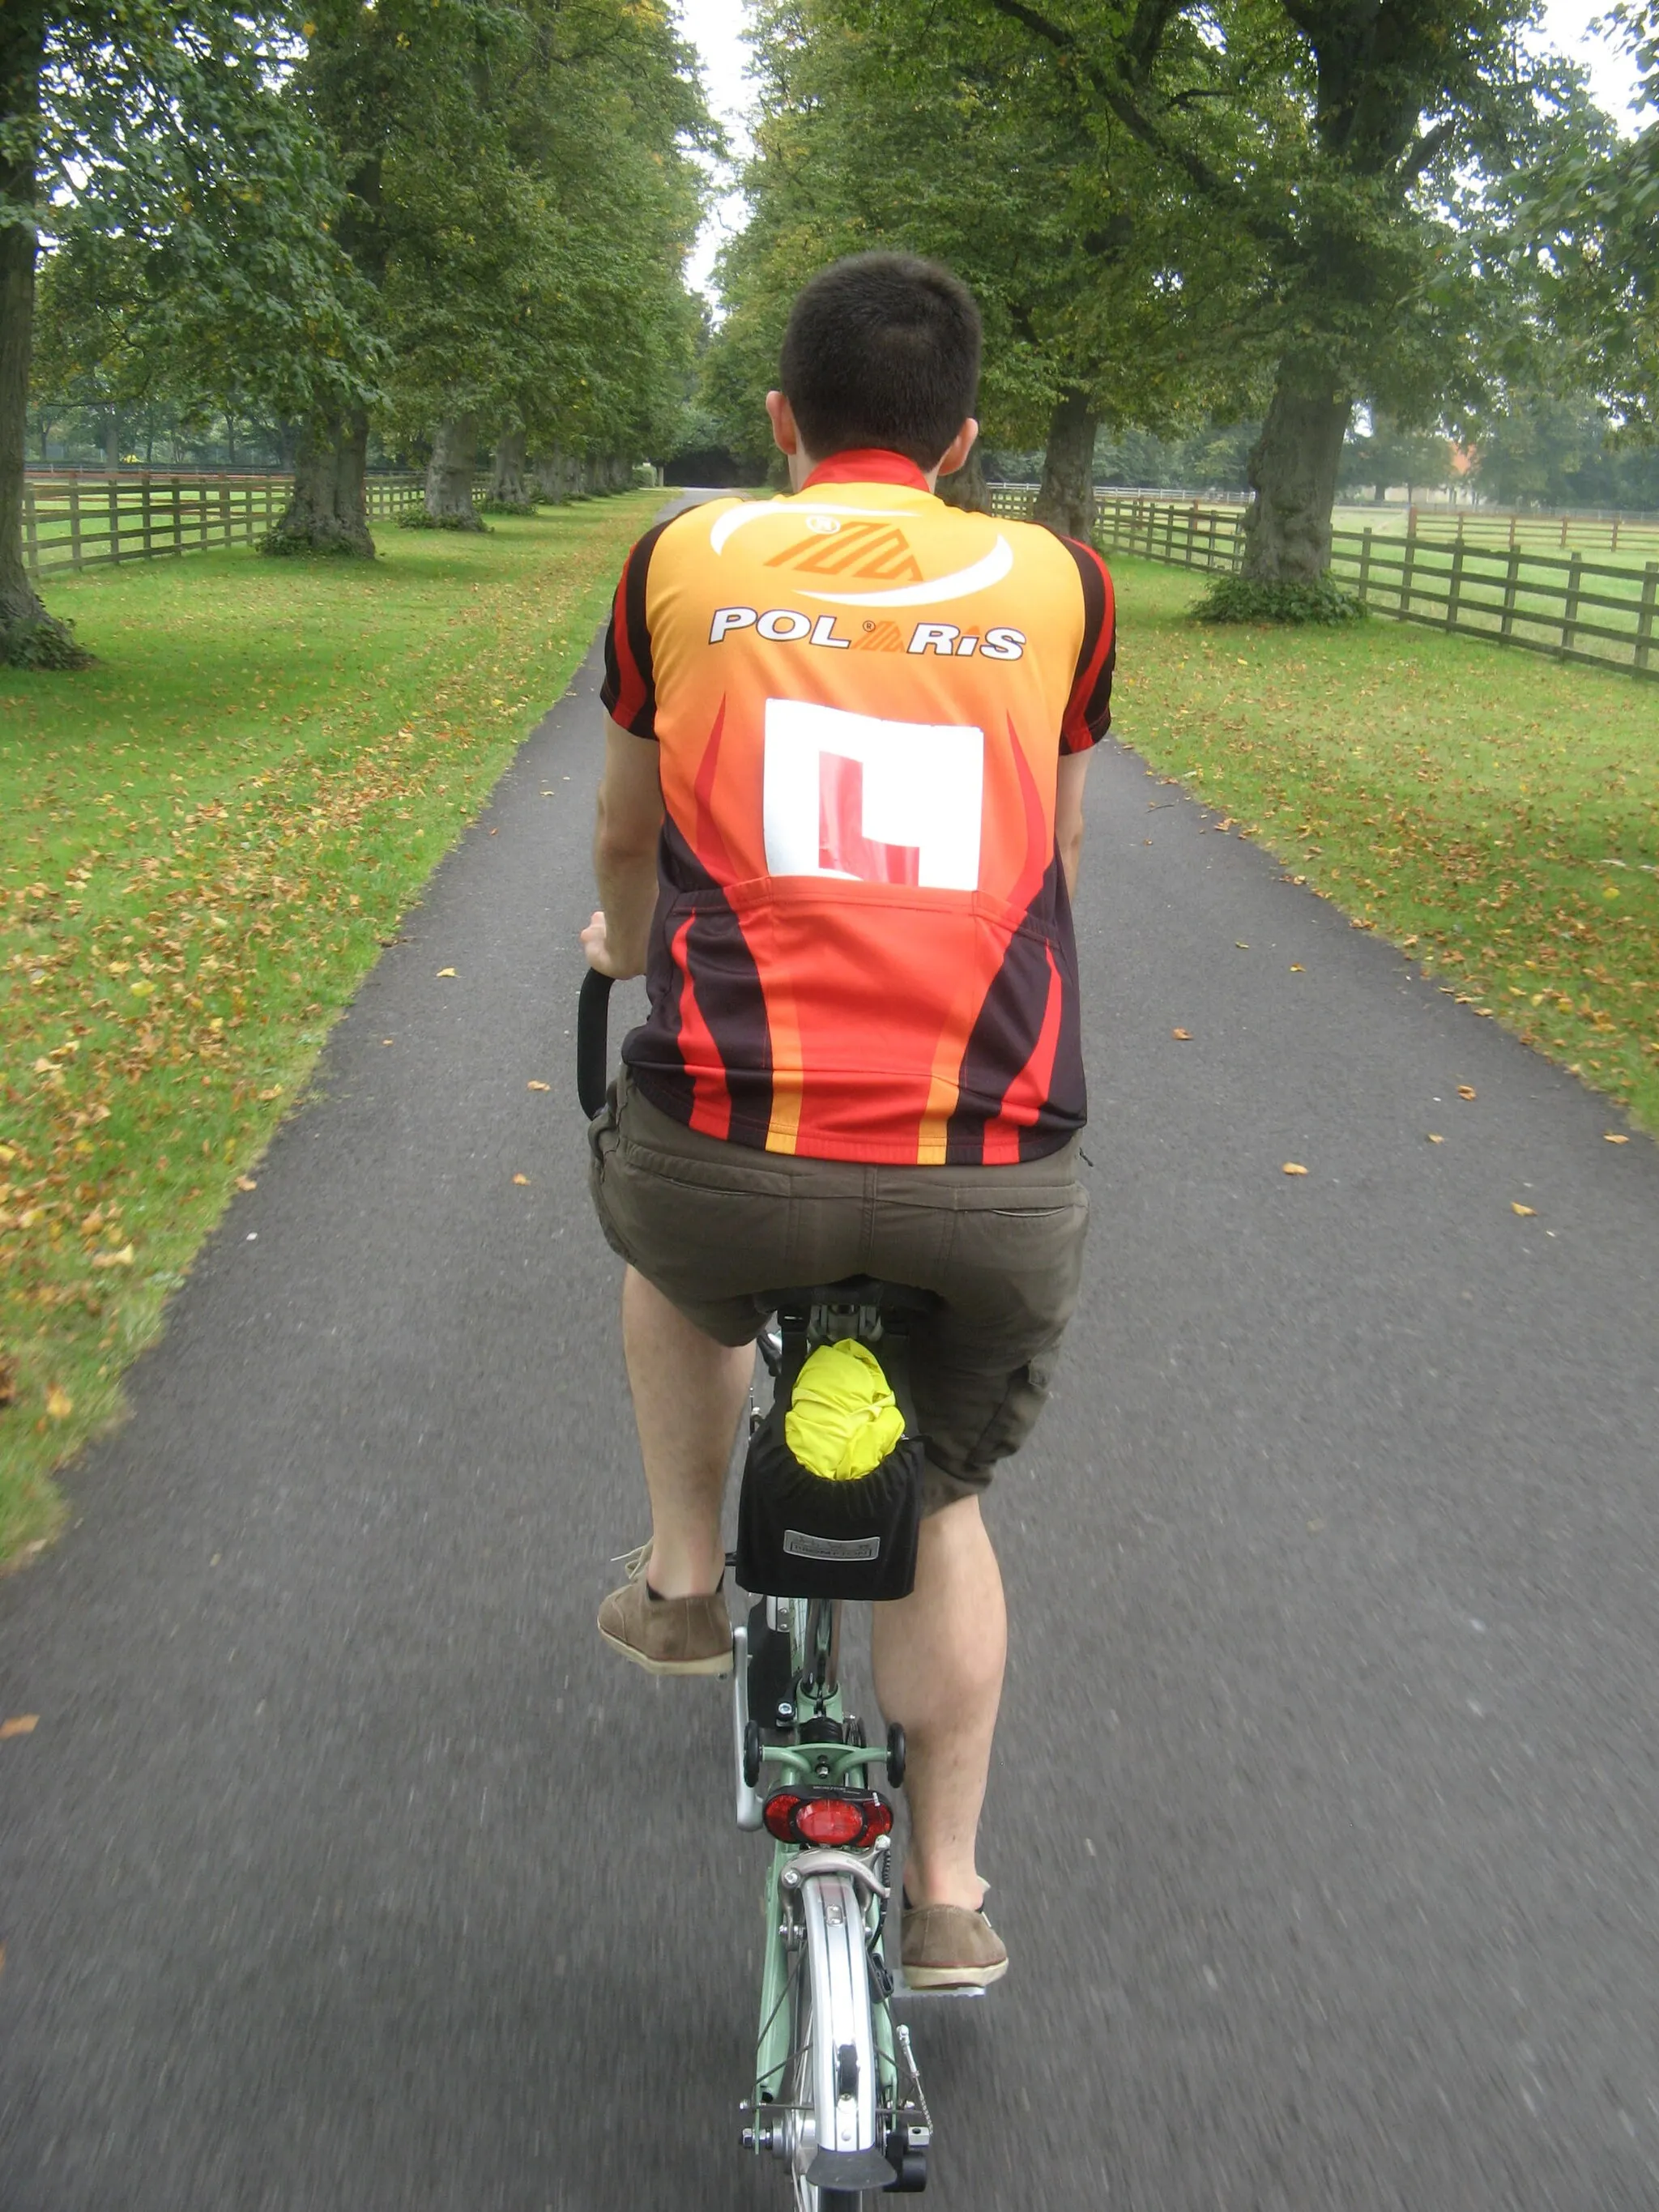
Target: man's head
{"type": "Point", "coordinates": [881, 349]}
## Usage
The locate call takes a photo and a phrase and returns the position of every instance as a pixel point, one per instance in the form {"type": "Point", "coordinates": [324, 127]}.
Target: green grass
{"type": "Point", "coordinates": [1495, 814]}
{"type": "Point", "coordinates": [204, 842]}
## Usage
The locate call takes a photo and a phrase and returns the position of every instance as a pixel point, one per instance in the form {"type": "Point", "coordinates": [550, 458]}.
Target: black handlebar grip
{"type": "Point", "coordinates": [593, 1041]}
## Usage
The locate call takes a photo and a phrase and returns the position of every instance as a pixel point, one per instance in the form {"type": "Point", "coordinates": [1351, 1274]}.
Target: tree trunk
{"type": "Point", "coordinates": [1292, 474]}
{"type": "Point", "coordinates": [1066, 501]}
{"type": "Point", "coordinates": [327, 512]}
{"type": "Point", "coordinates": [549, 470]}
{"type": "Point", "coordinates": [508, 485]}
{"type": "Point", "coordinates": [449, 474]}
{"type": "Point", "coordinates": [29, 636]}
{"type": "Point", "coordinates": [966, 489]}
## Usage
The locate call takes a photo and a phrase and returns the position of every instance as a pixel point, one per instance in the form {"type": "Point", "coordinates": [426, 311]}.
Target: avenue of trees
{"type": "Point", "coordinates": [450, 222]}
{"type": "Point", "coordinates": [1305, 215]}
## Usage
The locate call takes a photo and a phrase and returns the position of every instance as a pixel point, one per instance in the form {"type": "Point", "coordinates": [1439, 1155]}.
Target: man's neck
{"type": "Point", "coordinates": [859, 464]}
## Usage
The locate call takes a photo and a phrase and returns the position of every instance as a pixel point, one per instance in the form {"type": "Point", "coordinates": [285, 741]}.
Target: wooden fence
{"type": "Point", "coordinates": [1572, 607]}
{"type": "Point", "coordinates": [73, 521]}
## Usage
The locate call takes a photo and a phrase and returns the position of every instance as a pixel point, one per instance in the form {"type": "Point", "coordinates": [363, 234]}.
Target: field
{"type": "Point", "coordinates": [1495, 814]}
{"type": "Point", "coordinates": [204, 842]}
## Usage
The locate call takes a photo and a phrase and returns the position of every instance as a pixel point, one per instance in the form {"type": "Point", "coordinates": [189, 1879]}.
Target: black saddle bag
{"type": "Point", "coordinates": [800, 1536]}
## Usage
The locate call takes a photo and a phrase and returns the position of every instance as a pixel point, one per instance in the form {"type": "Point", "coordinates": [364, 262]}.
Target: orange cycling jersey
{"type": "Point", "coordinates": [862, 947]}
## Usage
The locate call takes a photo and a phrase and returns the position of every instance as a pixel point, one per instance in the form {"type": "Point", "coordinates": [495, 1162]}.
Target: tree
{"type": "Point", "coordinates": [154, 129]}
{"type": "Point", "coordinates": [874, 134]}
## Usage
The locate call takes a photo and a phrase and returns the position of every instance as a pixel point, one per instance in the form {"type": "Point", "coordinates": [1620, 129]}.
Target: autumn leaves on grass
{"type": "Point", "coordinates": [203, 844]}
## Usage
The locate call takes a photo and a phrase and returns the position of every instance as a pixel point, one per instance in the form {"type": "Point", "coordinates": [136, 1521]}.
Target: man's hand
{"type": "Point", "coordinates": [597, 949]}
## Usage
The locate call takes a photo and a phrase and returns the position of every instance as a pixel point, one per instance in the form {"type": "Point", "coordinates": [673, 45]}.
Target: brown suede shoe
{"type": "Point", "coordinates": [666, 1635]}
{"type": "Point", "coordinates": [946, 1946]}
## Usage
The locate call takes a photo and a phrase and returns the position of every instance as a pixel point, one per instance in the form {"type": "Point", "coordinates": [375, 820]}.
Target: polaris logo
{"type": "Point", "coordinates": [803, 1547]}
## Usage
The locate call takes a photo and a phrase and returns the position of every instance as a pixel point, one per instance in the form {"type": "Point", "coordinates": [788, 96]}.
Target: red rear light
{"type": "Point", "coordinates": [828, 1819]}
{"type": "Point", "coordinates": [829, 1822]}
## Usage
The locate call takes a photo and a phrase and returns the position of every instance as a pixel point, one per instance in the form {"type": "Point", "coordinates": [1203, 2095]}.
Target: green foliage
{"type": "Point", "coordinates": [1242, 600]}
{"type": "Point", "coordinates": [416, 518]}
{"type": "Point", "coordinates": [286, 545]}
{"type": "Point", "coordinates": [43, 642]}
{"type": "Point", "coordinates": [194, 203]}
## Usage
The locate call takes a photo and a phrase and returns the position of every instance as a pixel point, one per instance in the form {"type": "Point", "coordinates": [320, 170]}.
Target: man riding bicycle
{"type": "Point", "coordinates": [839, 824]}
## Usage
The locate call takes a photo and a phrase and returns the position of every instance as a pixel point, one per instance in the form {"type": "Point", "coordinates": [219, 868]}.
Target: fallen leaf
{"type": "Point", "coordinates": [1296, 969]}
{"type": "Point", "coordinates": [18, 1724]}
{"type": "Point", "coordinates": [1240, 945]}
{"type": "Point", "coordinates": [1433, 1140]}
{"type": "Point", "coordinates": [1516, 1206]}
{"type": "Point", "coordinates": [521, 1178]}
{"type": "Point", "coordinates": [533, 1085]}
{"type": "Point", "coordinates": [246, 1182]}
{"type": "Point", "coordinates": [1293, 1167]}
{"type": "Point", "coordinates": [1614, 1137]}
{"type": "Point", "coordinates": [1466, 1090]}
{"type": "Point", "coordinates": [385, 1040]}
{"type": "Point", "coordinates": [1315, 1527]}
{"type": "Point", "coordinates": [59, 1404]}
{"type": "Point", "coordinates": [121, 1259]}
{"type": "Point", "coordinates": [1185, 1036]}
{"type": "Point", "coordinates": [445, 971]}
{"type": "Point", "coordinates": [275, 1091]}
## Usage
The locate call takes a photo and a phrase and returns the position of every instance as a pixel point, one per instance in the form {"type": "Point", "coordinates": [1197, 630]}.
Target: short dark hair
{"type": "Point", "coordinates": [882, 349]}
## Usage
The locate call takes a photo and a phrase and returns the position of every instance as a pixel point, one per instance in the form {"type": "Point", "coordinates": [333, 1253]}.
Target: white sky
{"type": "Point", "coordinates": [715, 28]}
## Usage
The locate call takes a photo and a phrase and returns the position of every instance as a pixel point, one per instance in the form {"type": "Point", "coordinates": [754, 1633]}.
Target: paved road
{"type": "Point", "coordinates": [345, 1871]}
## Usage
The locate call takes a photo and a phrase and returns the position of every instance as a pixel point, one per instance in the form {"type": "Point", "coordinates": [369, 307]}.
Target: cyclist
{"type": "Point", "coordinates": [839, 820]}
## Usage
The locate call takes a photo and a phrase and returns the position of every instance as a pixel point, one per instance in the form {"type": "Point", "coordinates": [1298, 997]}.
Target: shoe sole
{"type": "Point", "coordinates": [954, 1978]}
{"type": "Point", "coordinates": [719, 1665]}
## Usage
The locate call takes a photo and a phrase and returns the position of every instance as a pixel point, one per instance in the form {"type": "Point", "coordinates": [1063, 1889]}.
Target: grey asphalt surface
{"type": "Point", "coordinates": [347, 1870]}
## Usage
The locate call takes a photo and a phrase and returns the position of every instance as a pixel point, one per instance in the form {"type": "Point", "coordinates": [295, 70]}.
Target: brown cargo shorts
{"type": "Point", "coordinates": [715, 1227]}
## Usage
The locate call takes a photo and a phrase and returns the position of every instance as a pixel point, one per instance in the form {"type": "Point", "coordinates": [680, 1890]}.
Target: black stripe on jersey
{"type": "Point", "coordinates": [1096, 707]}
{"type": "Point", "coordinates": [729, 997]}
{"type": "Point", "coordinates": [642, 722]}
{"type": "Point", "coordinates": [1006, 1032]}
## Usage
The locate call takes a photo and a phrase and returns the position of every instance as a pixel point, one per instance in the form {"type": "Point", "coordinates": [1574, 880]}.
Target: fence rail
{"type": "Point", "coordinates": [1568, 606]}
{"type": "Point", "coordinates": [73, 521]}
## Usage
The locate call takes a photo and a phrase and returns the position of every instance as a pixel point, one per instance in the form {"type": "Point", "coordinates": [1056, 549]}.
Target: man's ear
{"type": "Point", "coordinates": [955, 454]}
{"type": "Point", "coordinates": [785, 436]}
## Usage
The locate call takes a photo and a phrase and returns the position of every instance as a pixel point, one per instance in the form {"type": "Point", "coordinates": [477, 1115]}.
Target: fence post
{"type": "Point", "coordinates": [74, 521]}
{"type": "Point", "coordinates": [1615, 533]}
{"type": "Point", "coordinates": [1645, 613]}
{"type": "Point", "coordinates": [177, 518]}
{"type": "Point", "coordinates": [201, 514]}
{"type": "Point", "coordinates": [1455, 590]}
{"type": "Point", "coordinates": [1570, 613]}
{"type": "Point", "coordinates": [1406, 568]}
{"type": "Point", "coordinates": [31, 541]}
{"type": "Point", "coordinates": [1511, 529]}
{"type": "Point", "coordinates": [1511, 580]}
{"type": "Point", "coordinates": [115, 519]}
{"type": "Point", "coordinates": [224, 510]}
{"type": "Point", "coordinates": [1564, 529]}
{"type": "Point", "coordinates": [1364, 563]}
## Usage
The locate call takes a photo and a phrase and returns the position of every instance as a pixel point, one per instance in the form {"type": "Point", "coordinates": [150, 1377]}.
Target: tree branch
{"type": "Point", "coordinates": [1418, 157]}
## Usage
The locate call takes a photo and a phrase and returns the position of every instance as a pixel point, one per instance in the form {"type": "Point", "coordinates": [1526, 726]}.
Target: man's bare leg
{"type": "Point", "coordinates": [939, 1659]}
{"type": "Point", "coordinates": [689, 1396]}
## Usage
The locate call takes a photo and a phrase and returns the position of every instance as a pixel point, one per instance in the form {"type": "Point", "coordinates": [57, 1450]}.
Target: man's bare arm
{"type": "Point", "coordinates": [1068, 815]}
{"type": "Point", "coordinates": [629, 819]}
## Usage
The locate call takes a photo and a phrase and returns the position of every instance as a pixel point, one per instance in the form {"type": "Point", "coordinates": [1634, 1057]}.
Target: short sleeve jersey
{"type": "Point", "coordinates": [862, 947]}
